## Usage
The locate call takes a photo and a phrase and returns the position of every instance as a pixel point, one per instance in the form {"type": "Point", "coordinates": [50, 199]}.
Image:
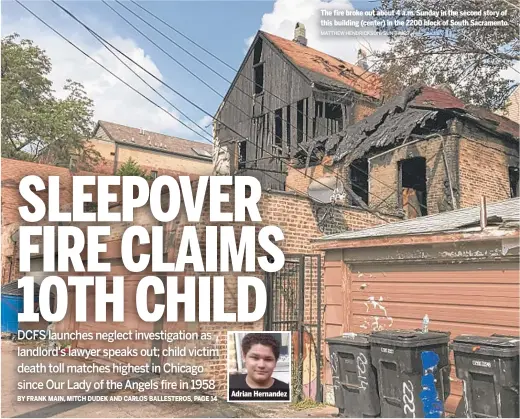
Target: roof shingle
{"type": "Point", "coordinates": [319, 63]}
{"type": "Point", "coordinates": [508, 210]}
{"type": "Point", "coordinates": [148, 139]}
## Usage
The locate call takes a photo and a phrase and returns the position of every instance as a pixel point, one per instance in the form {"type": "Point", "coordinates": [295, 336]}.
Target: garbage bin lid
{"type": "Point", "coordinates": [356, 339]}
{"type": "Point", "coordinates": [409, 338]}
{"type": "Point", "coordinates": [504, 346]}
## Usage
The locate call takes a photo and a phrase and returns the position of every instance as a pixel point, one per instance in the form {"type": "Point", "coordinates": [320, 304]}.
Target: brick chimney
{"type": "Point", "coordinates": [299, 34]}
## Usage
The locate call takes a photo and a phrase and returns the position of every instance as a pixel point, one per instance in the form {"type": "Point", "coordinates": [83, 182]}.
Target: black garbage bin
{"type": "Point", "coordinates": [488, 368]}
{"type": "Point", "coordinates": [413, 372]}
{"type": "Point", "coordinates": [354, 379]}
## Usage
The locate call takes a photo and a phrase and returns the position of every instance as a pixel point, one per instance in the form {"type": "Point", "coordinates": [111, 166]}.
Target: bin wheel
{"type": "Point", "coordinates": [14, 337]}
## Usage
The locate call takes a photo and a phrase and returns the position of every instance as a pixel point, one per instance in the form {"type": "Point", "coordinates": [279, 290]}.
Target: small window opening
{"type": "Point", "coordinates": [334, 113]}
{"type": "Point", "coordinates": [318, 113]}
{"type": "Point", "coordinates": [259, 78]}
{"type": "Point", "coordinates": [319, 109]}
{"type": "Point", "coordinates": [513, 181]}
{"type": "Point", "coordinates": [412, 193]}
{"type": "Point", "coordinates": [288, 126]}
{"type": "Point", "coordinates": [154, 174]}
{"type": "Point", "coordinates": [257, 53]}
{"type": "Point", "coordinates": [299, 121]}
{"type": "Point", "coordinates": [278, 127]}
{"type": "Point", "coordinates": [359, 179]}
{"type": "Point", "coordinates": [242, 157]}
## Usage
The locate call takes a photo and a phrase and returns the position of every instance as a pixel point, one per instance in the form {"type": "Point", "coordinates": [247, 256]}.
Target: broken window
{"type": "Point", "coordinates": [513, 181]}
{"type": "Point", "coordinates": [278, 128]}
{"type": "Point", "coordinates": [334, 117]}
{"type": "Point", "coordinates": [257, 53]}
{"type": "Point", "coordinates": [242, 157]}
{"type": "Point", "coordinates": [258, 77]}
{"type": "Point", "coordinates": [288, 126]}
{"type": "Point", "coordinates": [154, 174]}
{"type": "Point", "coordinates": [318, 113]}
{"type": "Point", "coordinates": [299, 121]}
{"type": "Point", "coordinates": [412, 187]}
{"type": "Point", "coordinates": [359, 180]}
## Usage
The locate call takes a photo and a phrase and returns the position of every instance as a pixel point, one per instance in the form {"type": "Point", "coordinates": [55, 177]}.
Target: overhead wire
{"type": "Point", "coordinates": [114, 75]}
{"type": "Point", "coordinates": [207, 113]}
{"type": "Point", "coordinates": [214, 56]}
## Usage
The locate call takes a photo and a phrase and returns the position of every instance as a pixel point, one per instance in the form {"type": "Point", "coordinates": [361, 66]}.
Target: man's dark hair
{"type": "Point", "coordinates": [263, 339]}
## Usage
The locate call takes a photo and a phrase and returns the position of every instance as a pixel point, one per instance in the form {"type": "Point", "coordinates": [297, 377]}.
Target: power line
{"type": "Point", "coordinates": [248, 116]}
{"type": "Point", "coordinates": [134, 72]}
{"type": "Point", "coordinates": [106, 69]}
{"type": "Point", "coordinates": [269, 111]}
{"type": "Point", "coordinates": [101, 38]}
{"type": "Point", "coordinates": [190, 101]}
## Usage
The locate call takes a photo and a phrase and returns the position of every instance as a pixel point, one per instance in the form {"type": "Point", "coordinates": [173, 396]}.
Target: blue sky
{"type": "Point", "coordinates": [223, 27]}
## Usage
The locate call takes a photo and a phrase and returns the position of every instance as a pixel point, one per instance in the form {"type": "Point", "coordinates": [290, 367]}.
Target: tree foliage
{"type": "Point", "coordinates": [36, 125]}
{"type": "Point", "coordinates": [469, 59]}
{"type": "Point", "coordinates": [131, 168]}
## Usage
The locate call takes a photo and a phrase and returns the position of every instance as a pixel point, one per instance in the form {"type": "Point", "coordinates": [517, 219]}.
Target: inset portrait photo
{"type": "Point", "coordinates": [259, 366]}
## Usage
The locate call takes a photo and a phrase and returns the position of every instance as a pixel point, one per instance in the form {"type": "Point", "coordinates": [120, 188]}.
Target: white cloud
{"type": "Point", "coordinates": [113, 101]}
{"type": "Point", "coordinates": [286, 13]}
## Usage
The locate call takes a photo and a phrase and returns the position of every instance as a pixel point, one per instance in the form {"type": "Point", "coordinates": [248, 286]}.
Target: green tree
{"type": "Point", "coordinates": [132, 168]}
{"type": "Point", "coordinates": [36, 125]}
{"type": "Point", "coordinates": [469, 59]}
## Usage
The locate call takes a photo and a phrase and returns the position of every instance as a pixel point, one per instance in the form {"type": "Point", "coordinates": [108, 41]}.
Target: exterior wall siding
{"type": "Point", "coordinates": [115, 155]}
{"type": "Point", "coordinates": [465, 298]}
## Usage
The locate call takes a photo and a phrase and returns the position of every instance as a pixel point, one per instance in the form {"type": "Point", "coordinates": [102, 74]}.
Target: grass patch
{"type": "Point", "coordinates": [308, 404]}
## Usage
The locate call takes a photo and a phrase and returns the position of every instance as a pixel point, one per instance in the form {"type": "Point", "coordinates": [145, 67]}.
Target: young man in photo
{"type": "Point", "coordinates": [260, 352]}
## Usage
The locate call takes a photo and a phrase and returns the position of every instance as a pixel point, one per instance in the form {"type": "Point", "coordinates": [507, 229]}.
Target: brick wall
{"type": "Point", "coordinates": [384, 175]}
{"type": "Point", "coordinates": [296, 216]}
{"type": "Point", "coordinates": [364, 109]}
{"type": "Point", "coordinates": [299, 179]}
{"type": "Point", "coordinates": [484, 170]}
{"type": "Point", "coordinates": [162, 163]}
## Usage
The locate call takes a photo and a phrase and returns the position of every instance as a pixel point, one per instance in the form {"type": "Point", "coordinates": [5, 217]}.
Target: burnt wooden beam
{"type": "Point", "coordinates": [294, 131]}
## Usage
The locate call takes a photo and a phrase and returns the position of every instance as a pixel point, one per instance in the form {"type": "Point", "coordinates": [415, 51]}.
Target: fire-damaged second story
{"type": "Point", "coordinates": [284, 94]}
{"type": "Point", "coordinates": [422, 152]}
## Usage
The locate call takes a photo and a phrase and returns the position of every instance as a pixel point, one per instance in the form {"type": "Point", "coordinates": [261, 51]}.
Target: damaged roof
{"type": "Point", "coordinates": [155, 140]}
{"type": "Point", "coordinates": [322, 68]}
{"type": "Point", "coordinates": [401, 117]}
{"type": "Point", "coordinates": [450, 221]}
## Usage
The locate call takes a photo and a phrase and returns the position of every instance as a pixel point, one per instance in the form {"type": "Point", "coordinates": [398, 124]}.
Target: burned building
{"type": "Point", "coordinates": [421, 153]}
{"type": "Point", "coordinates": [285, 94]}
